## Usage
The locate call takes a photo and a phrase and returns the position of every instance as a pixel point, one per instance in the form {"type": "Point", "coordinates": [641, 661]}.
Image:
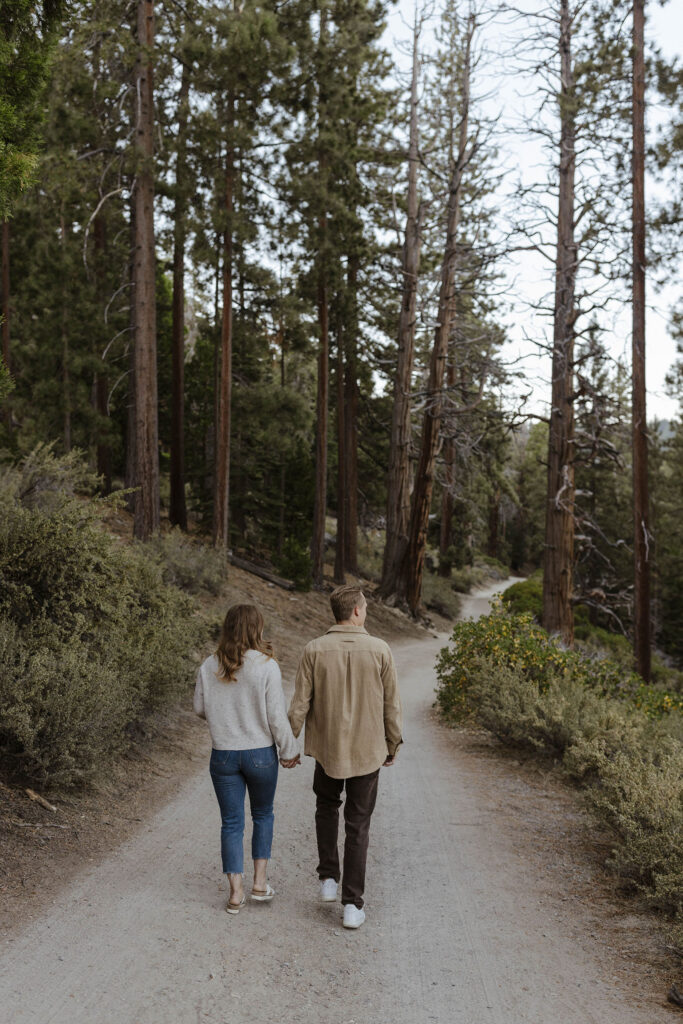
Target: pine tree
{"type": "Point", "coordinates": [145, 454]}
{"type": "Point", "coordinates": [27, 38]}
{"type": "Point", "coordinates": [398, 481]}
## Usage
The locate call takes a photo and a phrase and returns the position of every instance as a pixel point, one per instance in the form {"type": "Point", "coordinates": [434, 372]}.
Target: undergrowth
{"type": "Point", "coordinates": [618, 738]}
{"type": "Point", "coordinates": [92, 638]}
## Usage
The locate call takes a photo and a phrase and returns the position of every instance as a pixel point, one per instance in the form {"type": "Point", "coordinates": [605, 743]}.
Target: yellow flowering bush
{"type": "Point", "coordinates": [517, 642]}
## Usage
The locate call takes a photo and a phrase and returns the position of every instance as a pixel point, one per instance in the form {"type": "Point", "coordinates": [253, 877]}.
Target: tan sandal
{"type": "Point", "coordinates": [234, 908]}
{"type": "Point", "coordinates": [263, 895]}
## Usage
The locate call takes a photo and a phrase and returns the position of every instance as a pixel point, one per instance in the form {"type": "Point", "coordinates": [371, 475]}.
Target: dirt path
{"type": "Point", "coordinates": [460, 928]}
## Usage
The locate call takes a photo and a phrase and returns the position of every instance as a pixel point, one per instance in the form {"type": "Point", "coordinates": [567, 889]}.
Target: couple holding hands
{"type": "Point", "coordinates": [347, 696]}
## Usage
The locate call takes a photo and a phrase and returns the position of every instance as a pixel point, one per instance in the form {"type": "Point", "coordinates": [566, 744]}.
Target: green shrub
{"type": "Point", "coordinates": [370, 553]}
{"type": "Point", "coordinates": [6, 382]}
{"type": "Point", "coordinates": [187, 564]}
{"type": "Point", "coordinates": [641, 799]}
{"type": "Point", "coordinates": [517, 642]}
{"type": "Point", "coordinates": [493, 566]}
{"type": "Point", "coordinates": [91, 635]}
{"type": "Point", "coordinates": [563, 720]}
{"type": "Point", "coordinates": [526, 597]}
{"type": "Point", "coordinates": [611, 733]}
{"type": "Point", "coordinates": [295, 563]}
{"type": "Point", "coordinates": [438, 595]}
{"type": "Point", "coordinates": [43, 480]}
{"type": "Point", "coordinates": [61, 710]}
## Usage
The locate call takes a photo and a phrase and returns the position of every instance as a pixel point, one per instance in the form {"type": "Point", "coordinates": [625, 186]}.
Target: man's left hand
{"type": "Point", "coordinates": [389, 761]}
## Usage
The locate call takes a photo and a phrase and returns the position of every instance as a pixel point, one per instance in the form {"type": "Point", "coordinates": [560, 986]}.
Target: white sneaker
{"type": "Point", "coordinates": [353, 917]}
{"type": "Point", "coordinates": [328, 890]}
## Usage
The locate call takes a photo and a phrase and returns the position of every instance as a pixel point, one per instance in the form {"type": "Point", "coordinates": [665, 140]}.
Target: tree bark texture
{"type": "Point", "coordinates": [5, 295]}
{"type": "Point", "coordinates": [641, 524]}
{"type": "Point", "coordinates": [398, 479]}
{"type": "Point", "coordinates": [320, 499]}
{"type": "Point", "coordinates": [340, 548]}
{"type": "Point", "coordinates": [447, 499]}
{"type": "Point", "coordinates": [66, 377]}
{"type": "Point", "coordinates": [222, 489]}
{"type": "Point", "coordinates": [129, 472]}
{"type": "Point", "coordinates": [178, 508]}
{"type": "Point", "coordinates": [4, 308]}
{"type": "Point", "coordinates": [410, 584]}
{"type": "Point", "coordinates": [146, 520]}
{"type": "Point", "coordinates": [558, 561]}
{"type": "Point", "coordinates": [494, 522]}
{"type": "Point", "coordinates": [101, 383]}
{"type": "Point", "coordinates": [351, 422]}
{"type": "Point", "coordinates": [320, 502]}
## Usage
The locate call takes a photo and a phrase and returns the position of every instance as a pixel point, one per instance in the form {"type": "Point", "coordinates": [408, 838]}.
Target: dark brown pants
{"type": "Point", "coordinates": [361, 794]}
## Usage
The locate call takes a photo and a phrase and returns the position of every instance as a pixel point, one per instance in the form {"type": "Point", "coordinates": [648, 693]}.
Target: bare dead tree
{"type": "Point", "coordinates": [398, 480]}
{"type": "Point", "coordinates": [410, 584]}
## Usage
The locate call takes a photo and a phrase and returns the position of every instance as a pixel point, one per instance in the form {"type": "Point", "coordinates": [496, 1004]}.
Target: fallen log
{"type": "Point", "coordinates": [32, 795]}
{"type": "Point", "coordinates": [257, 570]}
{"type": "Point", "coordinates": [38, 824]}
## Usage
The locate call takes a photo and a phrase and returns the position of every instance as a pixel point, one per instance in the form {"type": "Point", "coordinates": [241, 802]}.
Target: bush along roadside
{"type": "Point", "coordinates": [621, 740]}
{"type": "Point", "coordinates": [92, 638]}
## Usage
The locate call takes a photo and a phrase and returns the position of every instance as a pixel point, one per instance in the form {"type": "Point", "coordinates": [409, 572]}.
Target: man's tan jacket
{"type": "Point", "coordinates": [346, 693]}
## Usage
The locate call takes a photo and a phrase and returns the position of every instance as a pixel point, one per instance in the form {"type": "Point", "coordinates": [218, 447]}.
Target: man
{"type": "Point", "coordinates": [346, 693]}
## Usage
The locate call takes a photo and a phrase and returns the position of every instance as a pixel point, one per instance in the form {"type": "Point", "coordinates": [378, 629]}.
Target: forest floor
{"type": "Point", "coordinates": [486, 896]}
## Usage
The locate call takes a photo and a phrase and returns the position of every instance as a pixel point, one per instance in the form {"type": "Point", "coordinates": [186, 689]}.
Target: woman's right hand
{"type": "Point", "coordinates": [291, 762]}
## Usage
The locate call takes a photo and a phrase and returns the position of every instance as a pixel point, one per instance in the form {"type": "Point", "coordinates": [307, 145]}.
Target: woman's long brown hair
{"type": "Point", "coordinates": [242, 631]}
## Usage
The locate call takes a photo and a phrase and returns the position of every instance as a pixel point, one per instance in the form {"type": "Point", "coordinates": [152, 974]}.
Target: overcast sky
{"type": "Point", "coordinates": [528, 275]}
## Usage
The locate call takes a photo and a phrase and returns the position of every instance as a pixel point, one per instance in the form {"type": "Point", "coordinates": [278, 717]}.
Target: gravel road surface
{"type": "Point", "coordinates": [456, 930]}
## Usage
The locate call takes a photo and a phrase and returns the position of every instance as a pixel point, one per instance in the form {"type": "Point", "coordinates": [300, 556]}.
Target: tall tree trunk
{"type": "Point", "coordinates": [342, 455]}
{"type": "Point", "coordinates": [398, 480]}
{"type": "Point", "coordinates": [320, 500]}
{"type": "Point", "coordinates": [641, 545]}
{"type": "Point", "coordinates": [351, 422]}
{"type": "Point", "coordinates": [66, 377]}
{"type": "Point", "coordinates": [447, 499]}
{"type": "Point", "coordinates": [283, 473]}
{"type": "Point", "coordinates": [558, 561]}
{"type": "Point", "coordinates": [146, 520]}
{"type": "Point", "coordinates": [222, 491]}
{"type": "Point", "coordinates": [178, 509]}
{"type": "Point", "coordinates": [129, 472]}
{"type": "Point", "coordinates": [410, 584]}
{"type": "Point", "coordinates": [4, 308]}
{"type": "Point", "coordinates": [494, 519]}
{"type": "Point", "coordinates": [101, 389]}
{"type": "Point", "coordinates": [5, 295]}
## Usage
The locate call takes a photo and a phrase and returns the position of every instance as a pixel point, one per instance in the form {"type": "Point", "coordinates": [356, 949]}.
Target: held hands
{"type": "Point", "coordinates": [292, 762]}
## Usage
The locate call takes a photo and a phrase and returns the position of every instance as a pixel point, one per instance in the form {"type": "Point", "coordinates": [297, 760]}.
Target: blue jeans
{"type": "Point", "coordinates": [233, 772]}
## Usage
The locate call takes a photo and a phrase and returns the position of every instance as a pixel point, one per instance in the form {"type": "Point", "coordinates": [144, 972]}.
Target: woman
{"type": "Point", "coordinates": [239, 692]}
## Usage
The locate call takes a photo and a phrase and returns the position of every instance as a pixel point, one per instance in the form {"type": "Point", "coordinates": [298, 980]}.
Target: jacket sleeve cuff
{"type": "Point", "coordinates": [392, 747]}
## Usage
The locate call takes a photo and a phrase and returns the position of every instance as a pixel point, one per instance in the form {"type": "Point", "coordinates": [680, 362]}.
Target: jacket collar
{"type": "Point", "coordinates": [339, 628]}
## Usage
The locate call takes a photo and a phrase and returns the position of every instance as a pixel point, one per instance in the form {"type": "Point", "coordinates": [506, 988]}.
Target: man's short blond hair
{"type": "Point", "coordinates": [344, 600]}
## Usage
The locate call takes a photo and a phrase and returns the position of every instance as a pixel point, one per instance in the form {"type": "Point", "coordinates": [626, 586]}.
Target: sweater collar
{"type": "Point", "coordinates": [339, 628]}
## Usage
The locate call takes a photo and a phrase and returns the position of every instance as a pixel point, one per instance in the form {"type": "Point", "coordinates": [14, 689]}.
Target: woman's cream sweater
{"type": "Point", "coordinates": [248, 712]}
